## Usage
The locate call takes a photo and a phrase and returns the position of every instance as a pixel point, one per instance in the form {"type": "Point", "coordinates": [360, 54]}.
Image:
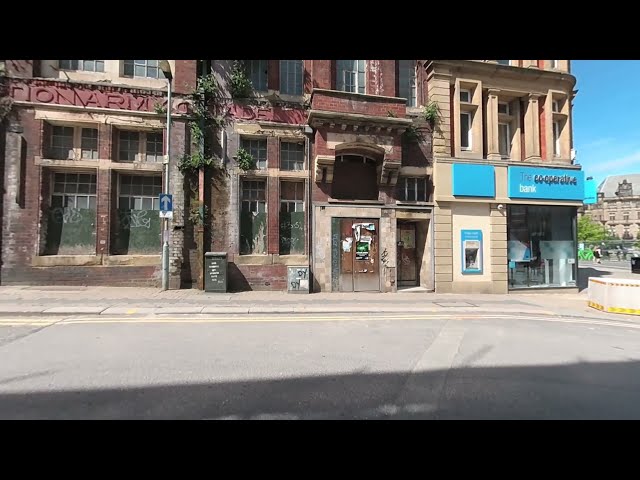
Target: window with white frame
{"type": "Point", "coordinates": [407, 81]}
{"type": "Point", "coordinates": [412, 189]}
{"type": "Point", "coordinates": [465, 95]}
{"type": "Point", "coordinates": [465, 130]}
{"type": "Point", "coordinates": [74, 190]}
{"type": "Point", "coordinates": [612, 216]}
{"type": "Point", "coordinates": [257, 147]}
{"type": "Point", "coordinates": [555, 106]}
{"type": "Point", "coordinates": [350, 76]}
{"type": "Point", "coordinates": [257, 72]}
{"type": "Point", "coordinates": [133, 146]}
{"type": "Point", "coordinates": [139, 192]}
{"type": "Point", "coordinates": [638, 215]}
{"type": "Point", "coordinates": [291, 197]}
{"type": "Point", "coordinates": [142, 68]}
{"type": "Point", "coordinates": [254, 196]}
{"type": "Point", "coordinates": [82, 65]}
{"type": "Point", "coordinates": [154, 147]}
{"type": "Point", "coordinates": [504, 62]}
{"type": "Point", "coordinates": [291, 156]}
{"type": "Point", "coordinates": [73, 143]}
{"type": "Point", "coordinates": [503, 108]}
{"type": "Point", "coordinates": [504, 139]}
{"type": "Point", "coordinates": [89, 143]}
{"type": "Point", "coordinates": [291, 77]}
{"type": "Point", "coordinates": [556, 139]}
{"type": "Point", "coordinates": [625, 216]}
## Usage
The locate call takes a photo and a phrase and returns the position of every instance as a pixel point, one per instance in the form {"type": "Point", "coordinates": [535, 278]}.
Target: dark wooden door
{"type": "Point", "coordinates": [407, 264]}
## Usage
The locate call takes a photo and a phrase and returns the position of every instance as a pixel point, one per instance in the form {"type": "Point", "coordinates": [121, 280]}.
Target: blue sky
{"type": "Point", "coordinates": [606, 120]}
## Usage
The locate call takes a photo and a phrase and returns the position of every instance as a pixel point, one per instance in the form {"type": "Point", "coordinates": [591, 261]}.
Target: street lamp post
{"type": "Point", "coordinates": [166, 70]}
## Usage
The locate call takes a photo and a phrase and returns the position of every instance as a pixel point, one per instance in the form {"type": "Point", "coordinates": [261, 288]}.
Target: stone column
{"type": "Point", "coordinates": [493, 146]}
{"type": "Point", "coordinates": [532, 129]}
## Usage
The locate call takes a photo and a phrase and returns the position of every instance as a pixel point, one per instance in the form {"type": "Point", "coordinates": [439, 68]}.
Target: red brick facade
{"type": "Point", "coordinates": [27, 177]}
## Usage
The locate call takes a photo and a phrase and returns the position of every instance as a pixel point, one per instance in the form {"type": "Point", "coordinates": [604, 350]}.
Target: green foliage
{"type": "Point", "coordinates": [239, 83]}
{"type": "Point", "coordinates": [5, 106]}
{"type": "Point", "coordinates": [590, 231]}
{"type": "Point", "coordinates": [159, 109]}
{"type": "Point", "coordinates": [245, 160]}
{"type": "Point", "coordinates": [198, 212]}
{"type": "Point", "coordinates": [412, 134]}
{"type": "Point", "coordinates": [194, 162]}
{"type": "Point", "coordinates": [431, 113]}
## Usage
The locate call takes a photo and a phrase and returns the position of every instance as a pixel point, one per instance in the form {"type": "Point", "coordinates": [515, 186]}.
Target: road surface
{"type": "Point", "coordinates": [392, 366]}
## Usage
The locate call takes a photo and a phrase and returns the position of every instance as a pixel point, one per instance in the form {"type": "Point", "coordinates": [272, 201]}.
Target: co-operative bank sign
{"type": "Point", "coordinates": [546, 183]}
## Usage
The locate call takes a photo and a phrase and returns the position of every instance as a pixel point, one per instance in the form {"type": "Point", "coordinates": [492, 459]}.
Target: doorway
{"type": "Point", "coordinates": [407, 260]}
{"type": "Point", "coordinates": [358, 255]}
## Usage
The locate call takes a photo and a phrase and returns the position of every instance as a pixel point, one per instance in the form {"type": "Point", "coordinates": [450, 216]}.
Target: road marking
{"type": "Point", "coordinates": [274, 319]}
{"type": "Point", "coordinates": [132, 311]}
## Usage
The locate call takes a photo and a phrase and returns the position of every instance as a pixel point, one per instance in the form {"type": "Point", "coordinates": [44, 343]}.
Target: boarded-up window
{"type": "Point", "coordinates": [70, 228]}
{"type": "Point", "coordinates": [291, 156]}
{"type": "Point", "coordinates": [253, 217]}
{"type": "Point", "coordinates": [292, 216]}
{"type": "Point", "coordinates": [137, 223]}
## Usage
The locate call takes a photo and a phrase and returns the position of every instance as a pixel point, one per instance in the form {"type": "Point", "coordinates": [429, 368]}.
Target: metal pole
{"type": "Point", "coordinates": [165, 227]}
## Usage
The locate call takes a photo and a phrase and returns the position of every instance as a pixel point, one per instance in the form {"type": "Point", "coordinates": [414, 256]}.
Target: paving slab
{"type": "Point", "coordinates": [74, 310]}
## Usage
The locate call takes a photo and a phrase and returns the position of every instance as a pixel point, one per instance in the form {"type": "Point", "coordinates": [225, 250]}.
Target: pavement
{"type": "Point", "coordinates": [129, 301]}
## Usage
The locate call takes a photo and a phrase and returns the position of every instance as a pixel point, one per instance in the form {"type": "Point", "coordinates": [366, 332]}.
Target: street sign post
{"type": "Point", "coordinates": [166, 205]}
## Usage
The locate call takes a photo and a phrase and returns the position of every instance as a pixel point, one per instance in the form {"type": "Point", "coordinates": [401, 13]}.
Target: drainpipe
{"type": "Point", "coordinates": [310, 215]}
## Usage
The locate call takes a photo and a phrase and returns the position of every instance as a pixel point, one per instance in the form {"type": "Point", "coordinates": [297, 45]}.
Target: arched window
{"type": "Point", "coordinates": [355, 178]}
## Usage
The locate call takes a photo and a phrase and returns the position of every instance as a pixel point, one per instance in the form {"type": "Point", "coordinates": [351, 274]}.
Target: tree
{"type": "Point", "coordinates": [590, 231]}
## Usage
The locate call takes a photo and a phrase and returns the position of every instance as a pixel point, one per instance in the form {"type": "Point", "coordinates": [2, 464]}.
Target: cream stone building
{"type": "Point", "coordinates": [618, 206]}
{"type": "Point", "coordinates": [506, 188]}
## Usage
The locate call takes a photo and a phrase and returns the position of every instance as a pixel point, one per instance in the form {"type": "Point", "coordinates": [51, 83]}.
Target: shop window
{"type": "Point", "coordinates": [292, 218]}
{"type": "Point", "coordinates": [541, 246]}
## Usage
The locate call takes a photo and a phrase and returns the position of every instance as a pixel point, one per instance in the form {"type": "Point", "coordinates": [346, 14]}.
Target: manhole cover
{"type": "Point", "coordinates": [455, 304]}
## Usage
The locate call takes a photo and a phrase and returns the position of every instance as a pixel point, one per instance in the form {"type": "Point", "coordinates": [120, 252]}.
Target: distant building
{"type": "Point", "coordinates": [618, 207]}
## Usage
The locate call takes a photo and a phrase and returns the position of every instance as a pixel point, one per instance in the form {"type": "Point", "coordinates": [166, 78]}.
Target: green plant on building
{"type": "Point", "coordinates": [432, 114]}
{"type": "Point", "coordinates": [245, 160]}
{"type": "Point", "coordinates": [239, 83]}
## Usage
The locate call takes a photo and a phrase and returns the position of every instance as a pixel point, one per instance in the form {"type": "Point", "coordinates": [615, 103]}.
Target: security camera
{"type": "Point", "coordinates": [500, 206]}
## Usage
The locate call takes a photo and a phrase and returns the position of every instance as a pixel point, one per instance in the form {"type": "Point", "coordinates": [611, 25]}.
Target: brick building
{"type": "Point", "coordinates": [82, 151]}
{"type": "Point", "coordinates": [339, 185]}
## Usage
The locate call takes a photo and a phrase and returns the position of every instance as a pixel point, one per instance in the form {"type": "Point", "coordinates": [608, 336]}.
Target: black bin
{"type": "Point", "coordinates": [635, 264]}
{"type": "Point", "coordinates": [215, 272]}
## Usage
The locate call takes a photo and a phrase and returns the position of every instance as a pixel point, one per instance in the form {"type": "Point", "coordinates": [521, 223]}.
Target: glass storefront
{"type": "Point", "coordinates": [541, 246]}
